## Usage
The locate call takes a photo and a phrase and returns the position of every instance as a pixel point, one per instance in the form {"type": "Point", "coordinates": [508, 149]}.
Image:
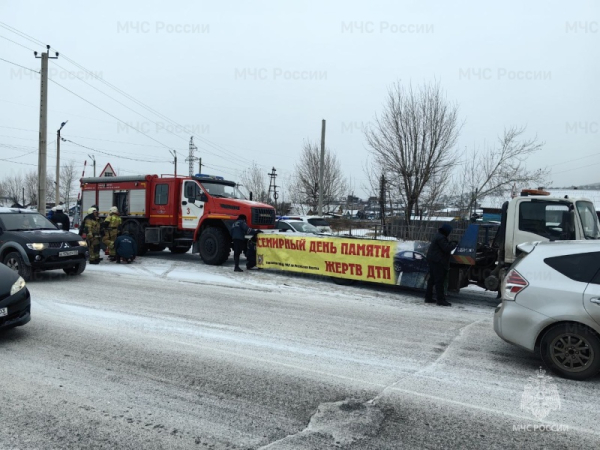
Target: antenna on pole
{"type": "Point", "coordinates": [191, 159]}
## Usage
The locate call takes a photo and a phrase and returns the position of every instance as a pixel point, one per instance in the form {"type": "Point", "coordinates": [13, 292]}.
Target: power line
{"type": "Point", "coordinates": [20, 156]}
{"type": "Point", "coordinates": [115, 142]}
{"type": "Point", "coordinates": [15, 42]}
{"type": "Point", "coordinates": [571, 160]}
{"type": "Point", "coordinates": [576, 168]}
{"type": "Point", "coordinates": [112, 154]}
{"type": "Point", "coordinates": [19, 65]}
{"type": "Point", "coordinates": [217, 147]}
{"type": "Point", "coordinates": [21, 34]}
{"type": "Point", "coordinates": [106, 112]}
{"type": "Point", "coordinates": [22, 129]}
{"type": "Point", "coordinates": [120, 91]}
{"type": "Point", "coordinates": [114, 99]}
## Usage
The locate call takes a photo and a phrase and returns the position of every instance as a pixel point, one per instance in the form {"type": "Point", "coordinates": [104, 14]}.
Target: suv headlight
{"type": "Point", "coordinates": [19, 284]}
{"type": "Point", "coordinates": [82, 243]}
{"type": "Point", "coordinates": [37, 246]}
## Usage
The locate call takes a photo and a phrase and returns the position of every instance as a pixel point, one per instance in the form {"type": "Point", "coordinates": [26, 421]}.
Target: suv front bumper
{"type": "Point", "coordinates": [49, 258]}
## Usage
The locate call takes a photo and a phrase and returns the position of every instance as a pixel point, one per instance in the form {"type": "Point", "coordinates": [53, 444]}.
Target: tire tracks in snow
{"type": "Point", "coordinates": [351, 420]}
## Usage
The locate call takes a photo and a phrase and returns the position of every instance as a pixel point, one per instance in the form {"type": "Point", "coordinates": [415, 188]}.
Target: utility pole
{"type": "Point", "coordinates": [174, 154]}
{"type": "Point", "coordinates": [58, 162]}
{"type": "Point", "coordinates": [321, 168]}
{"type": "Point", "coordinates": [273, 186]}
{"type": "Point", "coordinates": [93, 158]}
{"type": "Point", "coordinates": [191, 158]}
{"type": "Point", "coordinates": [382, 201]}
{"type": "Point", "coordinates": [199, 165]}
{"type": "Point", "coordinates": [43, 128]}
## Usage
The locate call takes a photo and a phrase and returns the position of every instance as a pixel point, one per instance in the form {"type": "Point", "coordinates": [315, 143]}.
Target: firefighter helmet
{"type": "Point", "coordinates": [92, 210]}
{"type": "Point", "coordinates": [114, 210]}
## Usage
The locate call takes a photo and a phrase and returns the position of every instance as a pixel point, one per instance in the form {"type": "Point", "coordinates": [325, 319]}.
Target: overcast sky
{"type": "Point", "coordinates": [252, 80]}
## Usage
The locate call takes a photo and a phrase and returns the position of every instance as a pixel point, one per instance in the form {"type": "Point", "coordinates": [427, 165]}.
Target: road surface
{"type": "Point", "coordinates": [171, 353]}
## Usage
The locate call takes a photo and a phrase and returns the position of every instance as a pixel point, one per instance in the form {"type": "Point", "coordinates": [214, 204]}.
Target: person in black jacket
{"type": "Point", "coordinates": [438, 259]}
{"type": "Point", "coordinates": [251, 251]}
{"type": "Point", "coordinates": [60, 219]}
{"type": "Point", "coordinates": [239, 229]}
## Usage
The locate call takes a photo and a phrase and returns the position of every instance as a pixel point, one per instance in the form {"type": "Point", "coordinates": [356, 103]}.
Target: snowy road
{"type": "Point", "coordinates": [171, 353]}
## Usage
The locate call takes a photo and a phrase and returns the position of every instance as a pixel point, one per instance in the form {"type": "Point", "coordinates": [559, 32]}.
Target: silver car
{"type": "Point", "coordinates": [551, 305]}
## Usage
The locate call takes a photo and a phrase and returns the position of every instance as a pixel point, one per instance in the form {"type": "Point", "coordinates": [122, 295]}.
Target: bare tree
{"type": "Point", "coordinates": [30, 183]}
{"type": "Point", "coordinates": [306, 176]}
{"type": "Point", "coordinates": [13, 187]}
{"type": "Point", "coordinates": [413, 140]}
{"type": "Point", "coordinates": [67, 178]}
{"type": "Point", "coordinates": [254, 179]}
{"type": "Point", "coordinates": [493, 171]}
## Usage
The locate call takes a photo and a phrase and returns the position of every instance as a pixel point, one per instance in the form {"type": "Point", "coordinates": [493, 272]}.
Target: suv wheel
{"type": "Point", "coordinates": [75, 270]}
{"type": "Point", "coordinates": [15, 262]}
{"type": "Point", "coordinates": [571, 351]}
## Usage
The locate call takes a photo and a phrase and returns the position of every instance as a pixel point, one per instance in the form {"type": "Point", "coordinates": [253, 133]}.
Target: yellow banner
{"type": "Point", "coordinates": [355, 259]}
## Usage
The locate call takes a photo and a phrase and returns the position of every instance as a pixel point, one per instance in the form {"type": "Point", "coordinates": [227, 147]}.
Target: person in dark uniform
{"type": "Point", "coordinates": [239, 229]}
{"type": "Point", "coordinates": [438, 259]}
{"type": "Point", "coordinates": [125, 247]}
{"type": "Point", "coordinates": [251, 251]}
{"type": "Point", "coordinates": [60, 219]}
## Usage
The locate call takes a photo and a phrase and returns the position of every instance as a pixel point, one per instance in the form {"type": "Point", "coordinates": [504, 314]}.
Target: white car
{"type": "Point", "coordinates": [317, 221]}
{"type": "Point", "coordinates": [296, 226]}
{"type": "Point", "coordinates": [551, 305]}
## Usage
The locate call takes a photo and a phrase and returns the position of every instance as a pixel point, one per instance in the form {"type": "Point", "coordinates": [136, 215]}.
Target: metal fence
{"type": "Point", "coordinates": [397, 229]}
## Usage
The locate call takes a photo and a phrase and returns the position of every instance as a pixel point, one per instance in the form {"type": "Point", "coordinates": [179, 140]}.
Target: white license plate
{"type": "Point", "coordinates": [69, 253]}
{"type": "Point", "coordinates": [3, 312]}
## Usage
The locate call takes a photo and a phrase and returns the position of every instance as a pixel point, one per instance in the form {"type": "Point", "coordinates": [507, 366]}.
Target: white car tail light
{"type": "Point", "coordinates": [513, 284]}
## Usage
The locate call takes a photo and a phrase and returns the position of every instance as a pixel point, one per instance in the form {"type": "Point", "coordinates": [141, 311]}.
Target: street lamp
{"type": "Point", "coordinates": [58, 162]}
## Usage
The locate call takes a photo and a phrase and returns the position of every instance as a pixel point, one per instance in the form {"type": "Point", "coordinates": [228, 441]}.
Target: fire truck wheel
{"type": "Point", "coordinates": [214, 246]}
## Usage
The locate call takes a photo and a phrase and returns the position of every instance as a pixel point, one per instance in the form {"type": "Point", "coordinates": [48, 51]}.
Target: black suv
{"type": "Point", "coordinates": [29, 242]}
{"type": "Point", "coordinates": [15, 301]}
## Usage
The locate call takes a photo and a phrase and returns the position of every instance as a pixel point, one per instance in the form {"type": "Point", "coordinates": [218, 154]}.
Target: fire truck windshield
{"type": "Point", "coordinates": [222, 190]}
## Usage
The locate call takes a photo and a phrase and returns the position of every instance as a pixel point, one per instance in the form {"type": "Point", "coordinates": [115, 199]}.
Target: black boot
{"type": "Point", "coordinates": [443, 303]}
{"type": "Point", "coordinates": [237, 269]}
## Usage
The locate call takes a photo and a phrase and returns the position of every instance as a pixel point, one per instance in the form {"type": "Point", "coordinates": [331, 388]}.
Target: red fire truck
{"type": "Point", "coordinates": [178, 213]}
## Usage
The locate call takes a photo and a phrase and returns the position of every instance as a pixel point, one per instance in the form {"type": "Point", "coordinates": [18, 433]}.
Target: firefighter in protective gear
{"type": "Point", "coordinates": [112, 227]}
{"type": "Point", "coordinates": [90, 231]}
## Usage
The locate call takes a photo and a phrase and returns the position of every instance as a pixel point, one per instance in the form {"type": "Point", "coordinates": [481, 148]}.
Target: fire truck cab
{"type": "Point", "coordinates": [178, 213]}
